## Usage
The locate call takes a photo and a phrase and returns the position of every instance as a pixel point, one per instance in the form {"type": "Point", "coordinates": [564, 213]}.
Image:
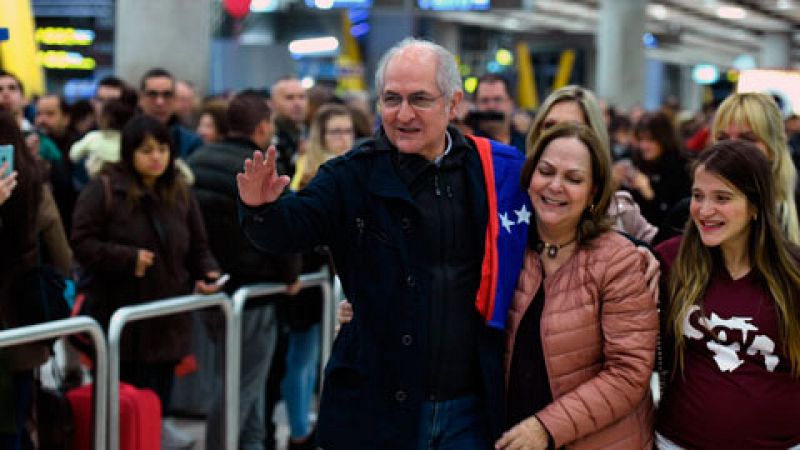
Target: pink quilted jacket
{"type": "Point", "coordinates": [599, 329]}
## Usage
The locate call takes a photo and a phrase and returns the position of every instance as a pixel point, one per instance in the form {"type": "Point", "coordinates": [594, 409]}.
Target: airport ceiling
{"type": "Point", "coordinates": [688, 31]}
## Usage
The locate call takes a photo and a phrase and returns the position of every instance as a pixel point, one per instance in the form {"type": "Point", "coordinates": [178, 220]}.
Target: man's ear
{"type": "Point", "coordinates": [264, 131]}
{"type": "Point", "coordinates": [454, 102]}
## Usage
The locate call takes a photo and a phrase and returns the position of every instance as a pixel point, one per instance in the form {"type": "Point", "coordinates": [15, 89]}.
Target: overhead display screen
{"type": "Point", "coordinates": [454, 5]}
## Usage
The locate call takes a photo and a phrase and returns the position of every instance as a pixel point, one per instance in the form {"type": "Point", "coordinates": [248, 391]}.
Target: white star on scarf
{"type": "Point", "coordinates": [523, 215]}
{"type": "Point", "coordinates": [505, 221]}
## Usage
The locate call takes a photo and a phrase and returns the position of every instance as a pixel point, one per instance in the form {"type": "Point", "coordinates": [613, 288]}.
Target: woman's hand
{"type": "Point", "coordinates": [641, 183]}
{"type": "Point", "coordinates": [7, 183]}
{"type": "Point", "coordinates": [652, 272]}
{"type": "Point", "coordinates": [260, 183]}
{"type": "Point", "coordinates": [344, 313]}
{"type": "Point", "coordinates": [294, 288]}
{"type": "Point", "coordinates": [144, 259]}
{"type": "Point", "coordinates": [529, 434]}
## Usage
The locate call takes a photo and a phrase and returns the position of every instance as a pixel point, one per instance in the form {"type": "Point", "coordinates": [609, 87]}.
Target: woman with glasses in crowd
{"type": "Point", "coordinates": [332, 134]}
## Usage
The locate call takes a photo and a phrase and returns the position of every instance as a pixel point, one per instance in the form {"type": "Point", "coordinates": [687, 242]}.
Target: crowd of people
{"type": "Point", "coordinates": [499, 265]}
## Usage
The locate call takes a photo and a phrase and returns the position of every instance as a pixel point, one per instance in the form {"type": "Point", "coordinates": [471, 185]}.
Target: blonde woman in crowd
{"type": "Point", "coordinates": [756, 118]}
{"type": "Point", "coordinates": [331, 135]}
{"type": "Point", "coordinates": [579, 105]}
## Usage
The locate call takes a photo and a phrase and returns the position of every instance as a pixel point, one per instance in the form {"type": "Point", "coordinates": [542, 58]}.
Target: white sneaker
{"type": "Point", "coordinates": [173, 438]}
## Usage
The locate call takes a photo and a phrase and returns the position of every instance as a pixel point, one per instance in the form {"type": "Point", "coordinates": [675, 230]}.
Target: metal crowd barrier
{"type": "Point", "coordinates": [245, 293]}
{"type": "Point", "coordinates": [161, 308]}
{"type": "Point", "coordinates": [65, 327]}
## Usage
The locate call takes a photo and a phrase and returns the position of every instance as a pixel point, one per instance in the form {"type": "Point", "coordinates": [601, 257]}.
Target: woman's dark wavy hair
{"type": "Point", "coordinates": [169, 187]}
{"type": "Point", "coordinates": [18, 214]}
{"type": "Point", "coordinates": [658, 127]}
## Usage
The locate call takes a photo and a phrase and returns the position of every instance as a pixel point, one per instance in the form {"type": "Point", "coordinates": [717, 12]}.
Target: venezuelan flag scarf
{"type": "Point", "coordinates": [510, 215]}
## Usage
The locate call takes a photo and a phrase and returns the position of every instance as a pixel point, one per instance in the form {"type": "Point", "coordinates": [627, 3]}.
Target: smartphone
{"type": "Point", "coordinates": [219, 282]}
{"type": "Point", "coordinates": [7, 156]}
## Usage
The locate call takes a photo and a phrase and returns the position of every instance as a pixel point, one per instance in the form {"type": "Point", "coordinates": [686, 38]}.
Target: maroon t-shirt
{"type": "Point", "coordinates": [736, 391]}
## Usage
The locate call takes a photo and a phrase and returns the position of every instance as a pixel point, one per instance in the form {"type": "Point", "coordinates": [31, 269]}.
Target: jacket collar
{"type": "Point", "coordinates": [241, 141]}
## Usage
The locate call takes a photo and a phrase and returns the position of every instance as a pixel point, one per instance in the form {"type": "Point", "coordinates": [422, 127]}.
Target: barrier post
{"type": "Point", "coordinates": [66, 327]}
{"type": "Point", "coordinates": [161, 308]}
{"type": "Point", "coordinates": [245, 293]}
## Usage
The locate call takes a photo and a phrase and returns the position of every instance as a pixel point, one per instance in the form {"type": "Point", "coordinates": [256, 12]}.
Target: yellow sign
{"type": "Point", "coordinates": [59, 59]}
{"type": "Point", "coordinates": [17, 53]}
{"type": "Point", "coordinates": [64, 36]}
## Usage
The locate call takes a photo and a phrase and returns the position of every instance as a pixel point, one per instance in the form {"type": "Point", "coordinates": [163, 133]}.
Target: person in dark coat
{"type": "Point", "coordinates": [138, 234]}
{"type": "Point", "coordinates": [658, 178]}
{"type": "Point", "coordinates": [405, 216]}
{"type": "Point", "coordinates": [215, 167]}
{"type": "Point", "coordinates": [21, 193]}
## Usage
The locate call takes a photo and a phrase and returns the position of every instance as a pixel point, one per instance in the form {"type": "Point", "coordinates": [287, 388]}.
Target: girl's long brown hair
{"type": "Point", "coordinates": [774, 259]}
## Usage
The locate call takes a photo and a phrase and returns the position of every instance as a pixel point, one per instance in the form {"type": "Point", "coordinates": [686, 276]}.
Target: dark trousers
{"type": "Point", "coordinates": [22, 384]}
{"type": "Point", "coordinates": [272, 390]}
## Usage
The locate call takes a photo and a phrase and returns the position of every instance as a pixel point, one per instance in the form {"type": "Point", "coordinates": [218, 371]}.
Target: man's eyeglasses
{"type": "Point", "coordinates": [166, 95]}
{"type": "Point", "coordinates": [416, 101]}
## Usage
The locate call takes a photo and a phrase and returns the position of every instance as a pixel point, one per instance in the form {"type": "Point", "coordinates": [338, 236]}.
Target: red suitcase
{"type": "Point", "coordinates": [139, 418]}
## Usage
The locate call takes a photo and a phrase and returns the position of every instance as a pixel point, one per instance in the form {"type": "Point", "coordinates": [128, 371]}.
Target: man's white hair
{"type": "Point", "coordinates": [448, 78]}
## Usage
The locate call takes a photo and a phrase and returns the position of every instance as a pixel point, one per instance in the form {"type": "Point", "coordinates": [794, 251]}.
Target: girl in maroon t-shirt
{"type": "Point", "coordinates": [733, 313]}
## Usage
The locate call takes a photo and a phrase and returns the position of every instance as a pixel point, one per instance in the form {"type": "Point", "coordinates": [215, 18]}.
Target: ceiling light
{"type": "Point", "coordinates": [658, 11]}
{"type": "Point", "coordinates": [705, 74]}
{"type": "Point", "coordinates": [731, 12]}
{"type": "Point", "coordinates": [314, 45]}
{"type": "Point", "coordinates": [260, 6]}
{"type": "Point", "coordinates": [784, 5]}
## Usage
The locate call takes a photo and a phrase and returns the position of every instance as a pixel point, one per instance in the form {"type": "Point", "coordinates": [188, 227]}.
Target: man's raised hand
{"type": "Point", "coordinates": [260, 182]}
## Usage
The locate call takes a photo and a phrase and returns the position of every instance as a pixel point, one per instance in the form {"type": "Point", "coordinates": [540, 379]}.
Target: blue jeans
{"type": "Point", "coordinates": [458, 424]}
{"type": "Point", "coordinates": [300, 381]}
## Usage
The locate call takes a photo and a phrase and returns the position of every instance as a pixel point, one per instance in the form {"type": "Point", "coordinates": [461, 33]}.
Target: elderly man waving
{"type": "Point", "coordinates": [427, 229]}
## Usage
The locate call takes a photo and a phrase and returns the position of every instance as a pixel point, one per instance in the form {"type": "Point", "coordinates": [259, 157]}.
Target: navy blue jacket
{"type": "Point", "coordinates": [376, 378]}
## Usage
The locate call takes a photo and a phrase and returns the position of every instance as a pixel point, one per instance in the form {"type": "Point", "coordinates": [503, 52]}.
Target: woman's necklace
{"type": "Point", "coordinates": [552, 249]}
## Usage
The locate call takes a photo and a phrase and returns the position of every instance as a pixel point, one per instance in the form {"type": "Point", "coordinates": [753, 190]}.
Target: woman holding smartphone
{"type": "Point", "coordinates": [139, 236]}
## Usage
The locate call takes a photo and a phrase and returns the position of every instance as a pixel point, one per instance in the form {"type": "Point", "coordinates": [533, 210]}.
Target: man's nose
{"type": "Point", "coordinates": [405, 111]}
